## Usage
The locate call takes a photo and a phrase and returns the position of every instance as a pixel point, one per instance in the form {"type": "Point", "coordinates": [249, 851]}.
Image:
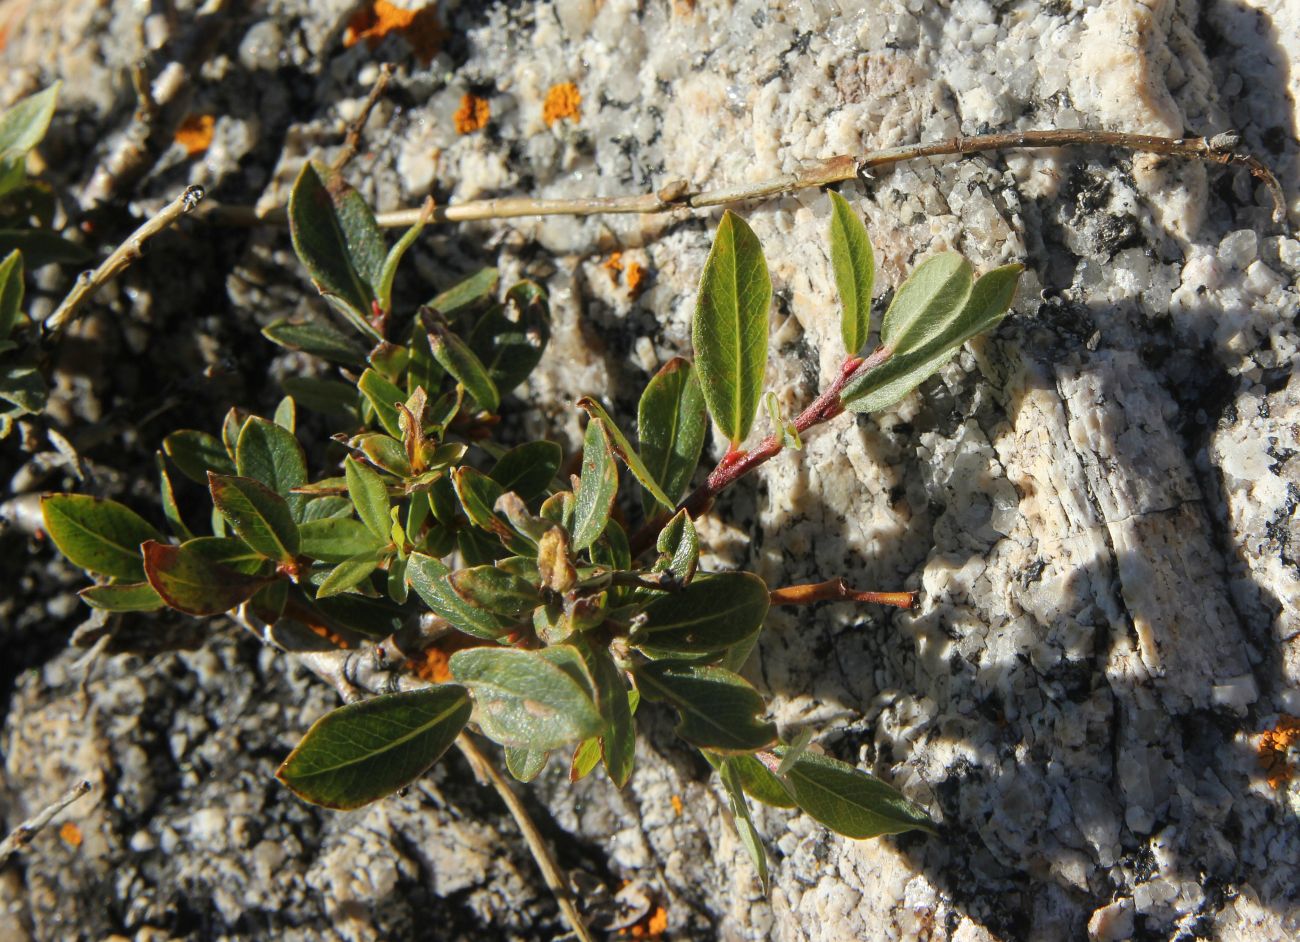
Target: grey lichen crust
{"type": "Point", "coordinates": [1098, 503]}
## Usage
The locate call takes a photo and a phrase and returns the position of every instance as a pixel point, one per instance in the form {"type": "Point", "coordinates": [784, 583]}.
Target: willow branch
{"type": "Point", "coordinates": [837, 590]}
{"type": "Point", "coordinates": [88, 282]}
{"type": "Point", "coordinates": [22, 835]}
{"type": "Point", "coordinates": [678, 196]}
{"type": "Point", "coordinates": [352, 141]}
{"type": "Point", "coordinates": [536, 843]}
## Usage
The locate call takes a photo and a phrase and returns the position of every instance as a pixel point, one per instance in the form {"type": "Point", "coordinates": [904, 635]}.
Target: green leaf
{"type": "Point", "coordinates": [429, 578]}
{"type": "Point", "coordinates": [286, 414]}
{"type": "Point", "coordinates": [11, 292]}
{"type": "Point", "coordinates": [478, 287]}
{"type": "Point", "coordinates": [98, 535]}
{"type": "Point", "coordinates": [679, 548]}
{"type": "Point", "coordinates": [525, 764]}
{"type": "Point", "coordinates": [42, 247]}
{"type": "Point", "coordinates": [618, 740]}
{"type": "Point", "coordinates": [123, 597]}
{"type": "Point", "coordinates": [23, 385]}
{"type": "Point", "coordinates": [189, 583]}
{"type": "Point", "coordinates": [324, 395]}
{"type": "Point", "coordinates": [364, 751]}
{"type": "Point", "coordinates": [671, 422]}
{"type": "Point", "coordinates": [269, 601]}
{"type": "Point", "coordinates": [455, 356]}
{"type": "Point", "coordinates": [24, 124]}
{"type": "Point", "coordinates": [271, 454]}
{"type": "Point", "coordinates": [719, 710]}
{"type": "Point", "coordinates": [383, 397]}
{"type": "Point", "coordinates": [624, 450]}
{"type": "Point", "coordinates": [335, 539]}
{"type": "Point", "coordinates": [597, 486]}
{"type": "Point", "coordinates": [324, 508]}
{"type": "Point", "coordinates": [370, 495]}
{"type": "Point", "coordinates": [317, 338]}
{"type": "Point", "coordinates": [528, 469]}
{"type": "Point", "coordinates": [759, 782]}
{"type": "Point", "coordinates": [896, 377]}
{"type": "Point", "coordinates": [749, 836]}
{"type": "Point", "coordinates": [849, 801]}
{"type": "Point", "coordinates": [710, 614]}
{"type": "Point", "coordinates": [170, 510]}
{"type": "Point", "coordinates": [526, 698]}
{"type": "Point", "coordinates": [365, 240]}
{"type": "Point", "coordinates": [196, 453]}
{"type": "Point", "coordinates": [260, 516]}
{"type": "Point", "coordinates": [729, 331]}
{"type": "Point", "coordinates": [925, 302]}
{"type": "Point", "coordinates": [350, 573]}
{"type": "Point", "coordinates": [511, 349]}
{"type": "Point", "coordinates": [495, 590]}
{"type": "Point", "coordinates": [229, 553]}
{"type": "Point", "coordinates": [478, 495]}
{"type": "Point", "coordinates": [325, 249]}
{"type": "Point", "coordinates": [384, 452]}
{"type": "Point", "coordinates": [855, 272]}
{"type": "Point", "coordinates": [374, 618]}
{"type": "Point", "coordinates": [384, 286]}
{"type": "Point", "coordinates": [585, 758]}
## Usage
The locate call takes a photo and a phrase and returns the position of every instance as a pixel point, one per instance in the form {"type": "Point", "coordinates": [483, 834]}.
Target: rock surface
{"type": "Point", "coordinates": [1098, 503]}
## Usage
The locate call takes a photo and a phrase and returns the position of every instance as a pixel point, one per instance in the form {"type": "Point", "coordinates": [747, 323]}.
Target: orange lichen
{"type": "Point", "coordinates": [562, 101]}
{"type": "Point", "coordinates": [71, 834]}
{"type": "Point", "coordinates": [431, 663]}
{"type": "Point", "coordinates": [1277, 750]}
{"type": "Point", "coordinates": [195, 133]}
{"type": "Point", "coordinates": [652, 926]}
{"type": "Point", "coordinates": [635, 276]}
{"type": "Point", "coordinates": [472, 115]}
{"type": "Point", "coordinates": [378, 19]}
{"type": "Point", "coordinates": [677, 804]}
{"type": "Point", "coordinates": [613, 265]}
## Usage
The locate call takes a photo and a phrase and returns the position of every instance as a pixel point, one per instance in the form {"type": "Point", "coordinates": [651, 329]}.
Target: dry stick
{"type": "Point", "coordinates": [374, 671]}
{"type": "Point", "coordinates": [837, 590]}
{"type": "Point", "coordinates": [1219, 149]}
{"type": "Point", "coordinates": [126, 253]}
{"type": "Point", "coordinates": [21, 836]}
{"type": "Point", "coordinates": [536, 843]}
{"type": "Point", "coordinates": [352, 140]}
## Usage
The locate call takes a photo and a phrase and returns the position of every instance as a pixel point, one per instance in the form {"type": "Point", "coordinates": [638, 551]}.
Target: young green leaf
{"type": "Point", "coordinates": [335, 539]}
{"type": "Point", "coordinates": [849, 801]}
{"type": "Point", "coordinates": [24, 124]}
{"type": "Point", "coordinates": [729, 331]}
{"type": "Point", "coordinates": [122, 597]}
{"type": "Point", "coordinates": [526, 699]}
{"type": "Point", "coordinates": [710, 614]}
{"type": "Point", "coordinates": [925, 303]}
{"type": "Point", "coordinates": [317, 338]}
{"type": "Point", "coordinates": [350, 573]}
{"type": "Point", "coordinates": [429, 578]}
{"type": "Point", "coordinates": [326, 250]}
{"type": "Point", "coordinates": [896, 377]}
{"type": "Point", "coordinates": [528, 469]}
{"type": "Point", "coordinates": [271, 454]}
{"type": "Point", "coordinates": [671, 422]}
{"type": "Point", "coordinates": [624, 450]}
{"type": "Point", "coordinates": [597, 486]}
{"type": "Point", "coordinates": [384, 286]}
{"type": "Point", "coordinates": [719, 710]}
{"type": "Point", "coordinates": [455, 356]}
{"type": "Point", "coordinates": [383, 397]}
{"type": "Point", "coordinates": [585, 758]}
{"type": "Point", "coordinates": [384, 452]}
{"type": "Point", "coordinates": [286, 414]}
{"type": "Point", "coordinates": [369, 494]}
{"type": "Point", "coordinates": [749, 836]}
{"type": "Point", "coordinates": [365, 751]}
{"type": "Point", "coordinates": [525, 764]}
{"type": "Point", "coordinates": [11, 292]}
{"type": "Point", "coordinates": [679, 548]}
{"type": "Point", "coordinates": [478, 287]}
{"type": "Point", "coordinates": [170, 509]}
{"type": "Point", "coordinates": [189, 583]}
{"type": "Point", "coordinates": [260, 516]}
{"type": "Point", "coordinates": [99, 535]}
{"type": "Point", "coordinates": [855, 272]}
{"type": "Point", "coordinates": [197, 453]}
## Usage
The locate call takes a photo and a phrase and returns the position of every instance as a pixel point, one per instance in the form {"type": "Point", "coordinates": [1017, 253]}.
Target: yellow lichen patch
{"type": "Point", "coordinates": [635, 277]}
{"type": "Point", "coordinates": [70, 834]}
{"type": "Point", "coordinates": [562, 101]}
{"type": "Point", "coordinates": [613, 265]}
{"type": "Point", "coordinates": [195, 133]}
{"type": "Point", "coordinates": [472, 115]}
{"type": "Point", "coordinates": [378, 19]}
{"type": "Point", "coordinates": [677, 804]}
{"type": "Point", "coordinates": [1277, 750]}
{"type": "Point", "coordinates": [654, 925]}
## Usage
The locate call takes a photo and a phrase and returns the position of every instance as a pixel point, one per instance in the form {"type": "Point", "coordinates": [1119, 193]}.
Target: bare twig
{"type": "Point", "coordinates": [836, 590]}
{"type": "Point", "coordinates": [536, 843]}
{"type": "Point", "coordinates": [352, 141]}
{"type": "Point", "coordinates": [677, 196]}
{"type": "Point", "coordinates": [22, 835]}
{"type": "Point", "coordinates": [126, 253]}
